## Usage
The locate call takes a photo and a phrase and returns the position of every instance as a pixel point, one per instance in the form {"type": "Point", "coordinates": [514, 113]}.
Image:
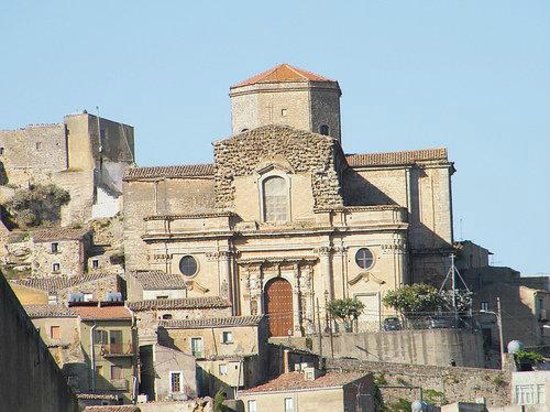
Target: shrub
{"type": "Point", "coordinates": [414, 298]}
{"type": "Point", "coordinates": [347, 310]}
{"type": "Point", "coordinates": [38, 205]}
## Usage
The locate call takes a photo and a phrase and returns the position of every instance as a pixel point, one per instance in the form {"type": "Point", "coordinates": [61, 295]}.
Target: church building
{"type": "Point", "coordinates": [283, 220]}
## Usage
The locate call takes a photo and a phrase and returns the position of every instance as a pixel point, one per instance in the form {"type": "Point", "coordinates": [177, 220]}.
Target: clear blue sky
{"type": "Point", "coordinates": [470, 75]}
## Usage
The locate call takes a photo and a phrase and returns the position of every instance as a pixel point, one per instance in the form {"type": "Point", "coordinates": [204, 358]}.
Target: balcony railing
{"type": "Point", "coordinates": [116, 349]}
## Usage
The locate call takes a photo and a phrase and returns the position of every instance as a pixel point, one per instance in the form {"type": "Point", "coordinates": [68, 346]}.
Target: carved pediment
{"type": "Point", "coordinates": [367, 277]}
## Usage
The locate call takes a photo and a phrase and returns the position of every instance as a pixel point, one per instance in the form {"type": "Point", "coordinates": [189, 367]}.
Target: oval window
{"type": "Point", "coordinates": [188, 265]}
{"type": "Point", "coordinates": [364, 258]}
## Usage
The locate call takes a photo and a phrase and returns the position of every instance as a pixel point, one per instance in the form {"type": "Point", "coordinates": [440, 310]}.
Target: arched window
{"type": "Point", "coordinates": [275, 199]}
{"type": "Point", "coordinates": [324, 129]}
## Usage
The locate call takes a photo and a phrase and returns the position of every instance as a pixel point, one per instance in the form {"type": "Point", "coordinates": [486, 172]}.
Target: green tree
{"type": "Point", "coordinates": [38, 205]}
{"type": "Point", "coordinates": [414, 298]}
{"type": "Point", "coordinates": [347, 310]}
{"type": "Point", "coordinates": [527, 359]}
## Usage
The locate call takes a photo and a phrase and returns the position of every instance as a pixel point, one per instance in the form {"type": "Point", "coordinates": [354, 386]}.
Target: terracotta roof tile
{"type": "Point", "coordinates": [288, 382]}
{"type": "Point", "coordinates": [282, 73]}
{"type": "Point", "coordinates": [397, 158]}
{"type": "Point", "coordinates": [198, 170]}
{"type": "Point", "coordinates": [113, 408]}
{"type": "Point", "coordinates": [207, 302]}
{"type": "Point", "coordinates": [49, 311]}
{"type": "Point", "coordinates": [211, 322]}
{"type": "Point", "coordinates": [60, 233]}
{"type": "Point", "coordinates": [105, 396]}
{"type": "Point", "coordinates": [102, 312]}
{"type": "Point", "coordinates": [158, 280]}
{"type": "Point", "coordinates": [57, 283]}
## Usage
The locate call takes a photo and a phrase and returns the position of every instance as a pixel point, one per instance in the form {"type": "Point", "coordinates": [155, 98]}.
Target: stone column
{"type": "Point", "coordinates": [307, 299]}
{"type": "Point", "coordinates": [339, 273]}
{"type": "Point", "coordinates": [326, 270]}
{"type": "Point", "coordinates": [296, 302]}
{"type": "Point", "coordinates": [255, 285]}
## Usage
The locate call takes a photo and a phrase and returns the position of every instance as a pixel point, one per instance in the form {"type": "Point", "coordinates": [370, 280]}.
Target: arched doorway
{"type": "Point", "coordinates": [278, 307]}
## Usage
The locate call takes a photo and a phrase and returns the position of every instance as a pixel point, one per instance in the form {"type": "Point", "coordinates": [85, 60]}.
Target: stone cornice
{"type": "Point", "coordinates": [190, 216]}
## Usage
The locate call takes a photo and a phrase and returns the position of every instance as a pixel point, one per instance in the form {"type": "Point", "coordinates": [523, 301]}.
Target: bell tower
{"type": "Point", "coordinates": [289, 96]}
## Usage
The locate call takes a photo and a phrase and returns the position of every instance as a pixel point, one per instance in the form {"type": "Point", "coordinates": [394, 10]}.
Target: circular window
{"type": "Point", "coordinates": [188, 265]}
{"type": "Point", "coordinates": [364, 258]}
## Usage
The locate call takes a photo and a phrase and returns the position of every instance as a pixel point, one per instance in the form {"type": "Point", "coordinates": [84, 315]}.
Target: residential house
{"type": "Point", "coordinates": [109, 341]}
{"type": "Point", "coordinates": [149, 312]}
{"type": "Point", "coordinates": [167, 373]}
{"type": "Point", "coordinates": [58, 289]}
{"type": "Point", "coordinates": [310, 390]}
{"type": "Point", "coordinates": [148, 285]}
{"type": "Point", "coordinates": [231, 352]}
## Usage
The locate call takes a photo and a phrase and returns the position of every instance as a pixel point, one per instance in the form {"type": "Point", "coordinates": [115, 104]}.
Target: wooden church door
{"type": "Point", "coordinates": [278, 307]}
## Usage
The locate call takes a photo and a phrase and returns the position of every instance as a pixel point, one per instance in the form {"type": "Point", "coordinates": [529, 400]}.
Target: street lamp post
{"type": "Point", "coordinates": [498, 315]}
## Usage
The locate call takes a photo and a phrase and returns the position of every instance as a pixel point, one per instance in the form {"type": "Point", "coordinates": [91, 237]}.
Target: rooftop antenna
{"type": "Point", "coordinates": [452, 273]}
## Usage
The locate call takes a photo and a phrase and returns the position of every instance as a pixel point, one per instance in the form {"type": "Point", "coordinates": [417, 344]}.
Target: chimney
{"type": "Point", "coordinates": [286, 366]}
{"type": "Point", "coordinates": [310, 373]}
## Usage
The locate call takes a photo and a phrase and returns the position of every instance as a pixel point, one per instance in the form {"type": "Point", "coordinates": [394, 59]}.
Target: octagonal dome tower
{"type": "Point", "coordinates": [290, 96]}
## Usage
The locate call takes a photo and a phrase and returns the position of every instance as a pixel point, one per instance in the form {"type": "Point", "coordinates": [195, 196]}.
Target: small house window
{"type": "Point", "coordinates": [484, 306]}
{"type": "Point", "coordinates": [162, 297]}
{"type": "Point", "coordinates": [55, 332]}
{"type": "Point", "coordinates": [55, 247]}
{"type": "Point", "coordinates": [56, 267]}
{"type": "Point", "coordinates": [275, 191]}
{"type": "Point", "coordinates": [324, 130]}
{"type": "Point", "coordinates": [197, 347]}
{"type": "Point", "coordinates": [95, 264]}
{"type": "Point", "coordinates": [101, 337]}
{"type": "Point", "coordinates": [38, 145]}
{"type": "Point", "coordinates": [167, 316]}
{"type": "Point", "coordinates": [223, 369]}
{"type": "Point", "coordinates": [227, 337]}
{"type": "Point", "coordinates": [176, 379]}
{"type": "Point", "coordinates": [283, 112]}
{"type": "Point", "coordinates": [1, 150]}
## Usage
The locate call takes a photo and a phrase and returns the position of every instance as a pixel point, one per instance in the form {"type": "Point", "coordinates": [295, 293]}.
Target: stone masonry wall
{"type": "Point", "coordinates": [32, 154]}
{"type": "Point", "coordinates": [304, 151]}
{"type": "Point", "coordinates": [450, 384]}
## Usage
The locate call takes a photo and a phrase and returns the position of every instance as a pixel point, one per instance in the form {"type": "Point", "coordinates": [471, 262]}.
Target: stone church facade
{"type": "Point", "coordinates": [283, 220]}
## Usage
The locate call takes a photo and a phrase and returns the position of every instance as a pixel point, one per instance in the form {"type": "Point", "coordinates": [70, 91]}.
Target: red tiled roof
{"type": "Point", "coordinates": [158, 280]}
{"type": "Point", "coordinates": [112, 408]}
{"type": "Point", "coordinates": [57, 283]}
{"type": "Point", "coordinates": [211, 322]}
{"type": "Point", "coordinates": [292, 381]}
{"type": "Point", "coordinates": [207, 302]}
{"type": "Point", "coordinates": [103, 312]}
{"type": "Point", "coordinates": [49, 311]}
{"type": "Point", "coordinates": [397, 158]}
{"type": "Point", "coordinates": [59, 233]}
{"type": "Point", "coordinates": [282, 73]}
{"type": "Point", "coordinates": [198, 170]}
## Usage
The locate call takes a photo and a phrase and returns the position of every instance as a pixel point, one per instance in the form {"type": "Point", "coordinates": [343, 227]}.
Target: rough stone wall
{"type": "Point", "coordinates": [34, 382]}
{"type": "Point", "coordinates": [70, 257]}
{"type": "Point", "coordinates": [305, 152]}
{"type": "Point", "coordinates": [325, 110]}
{"type": "Point", "coordinates": [411, 347]}
{"type": "Point", "coordinates": [454, 383]}
{"type": "Point", "coordinates": [33, 153]}
{"type": "Point", "coordinates": [148, 198]}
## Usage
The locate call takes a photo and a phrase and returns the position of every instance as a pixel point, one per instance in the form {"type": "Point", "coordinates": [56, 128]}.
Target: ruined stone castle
{"type": "Point", "coordinates": [283, 218]}
{"type": "Point", "coordinates": [85, 155]}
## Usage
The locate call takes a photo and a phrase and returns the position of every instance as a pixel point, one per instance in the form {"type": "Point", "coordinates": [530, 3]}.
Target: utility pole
{"type": "Point", "coordinates": [500, 334]}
